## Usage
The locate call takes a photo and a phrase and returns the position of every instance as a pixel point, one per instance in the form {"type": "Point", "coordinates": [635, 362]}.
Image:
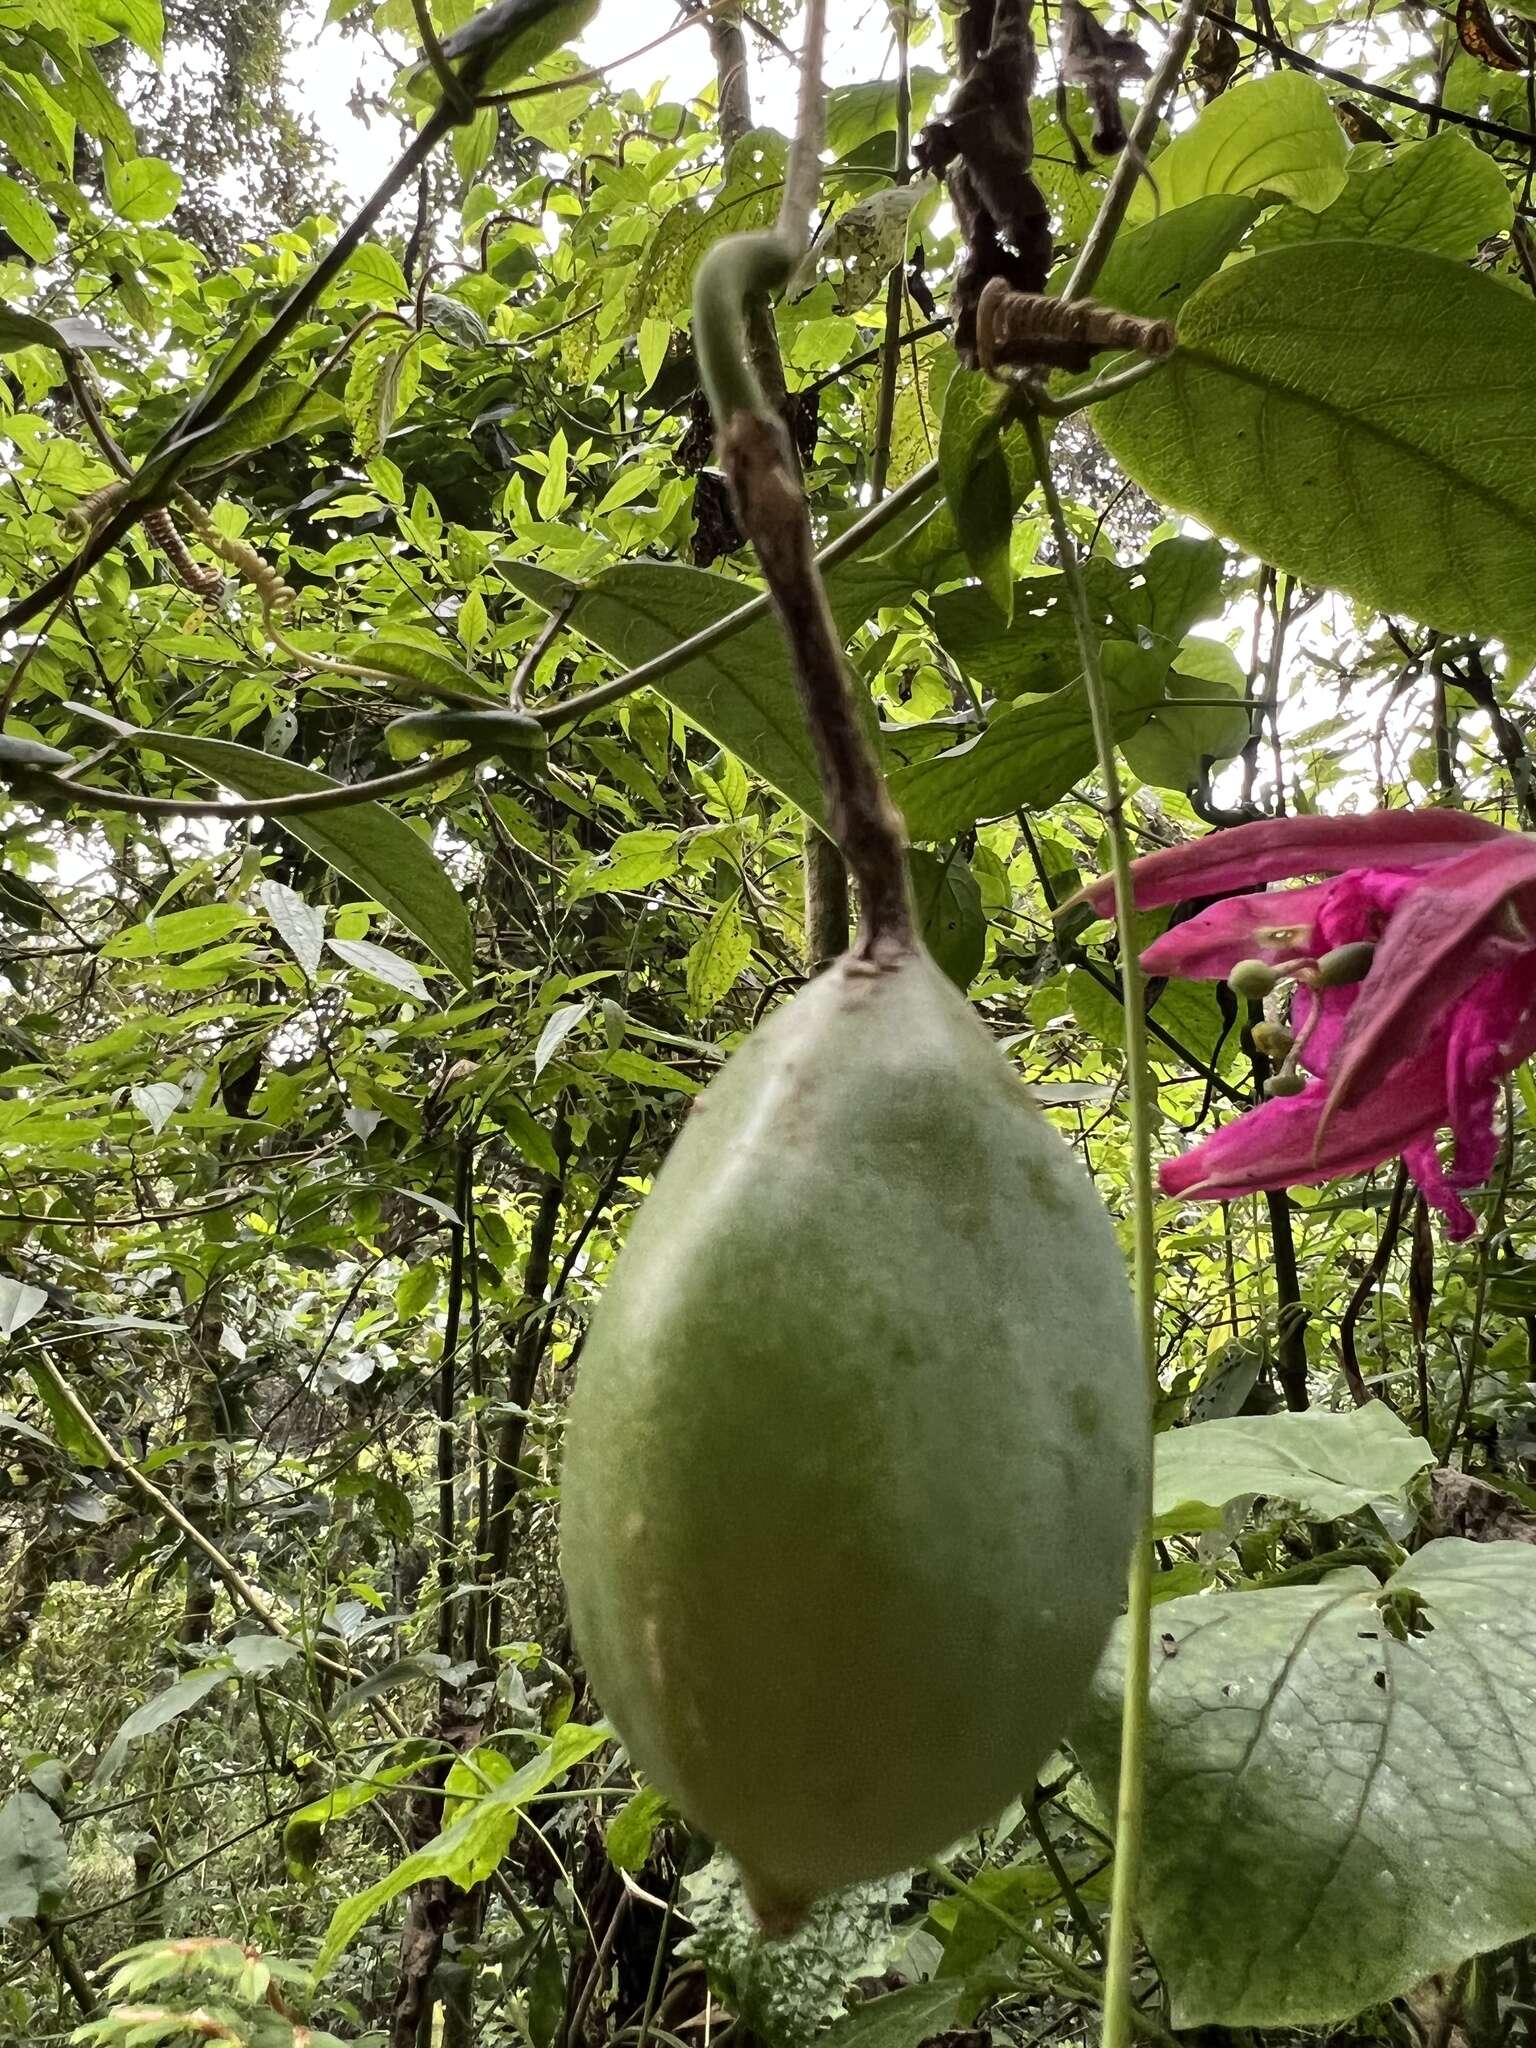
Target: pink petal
{"type": "Point", "coordinates": [1276, 1145]}
{"type": "Point", "coordinates": [1428, 958]}
{"type": "Point", "coordinates": [1491, 1033]}
{"type": "Point", "coordinates": [1430, 1178]}
{"type": "Point", "coordinates": [1275, 849]}
{"type": "Point", "coordinates": [1273, 925]}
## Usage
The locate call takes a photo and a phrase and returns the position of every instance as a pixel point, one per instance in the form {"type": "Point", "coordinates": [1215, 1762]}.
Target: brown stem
{"type": "Point", "coordinates": [826, 900]}
{"type": "Point", "coordinates": [1290, 1315]}
{"type": "Point", "coordinates": [1386, 1244]}
{"type": "Point", "coordinates": [759, 466]}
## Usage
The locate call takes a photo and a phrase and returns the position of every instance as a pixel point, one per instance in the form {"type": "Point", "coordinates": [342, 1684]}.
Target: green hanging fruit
{"type": "Point", "coordinates": [859, 1443]}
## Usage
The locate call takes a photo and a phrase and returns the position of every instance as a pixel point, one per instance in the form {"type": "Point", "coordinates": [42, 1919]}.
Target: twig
{"type": "Point", "coordinates": [1431, 109]}
{"type": "Point", "coordinates": [527, 668]}
{"type": "Point", "coordinates": [1066, 1967]}
{"type": "Point", "coordinates": [1364, 1289]}
{"type": "Point", "coordinates": [896, 288]}
{"type": "Point", "coordinates": [1094, 253]}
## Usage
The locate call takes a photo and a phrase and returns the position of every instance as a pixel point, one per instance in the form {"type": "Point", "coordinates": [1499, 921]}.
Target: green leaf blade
{"type": "Point", "coordinates": [1302, 416]}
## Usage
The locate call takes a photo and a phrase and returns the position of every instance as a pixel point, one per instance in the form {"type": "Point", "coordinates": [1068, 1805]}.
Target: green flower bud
{"type": "Point", "coordinates": [1345, 964]}
{"type": "Point", "coordinates": [1273, 1040]}
{"type": "Point", "coordinates": [1253, 978]}
{"type": "Point", "coordinates": [1286, 1082]}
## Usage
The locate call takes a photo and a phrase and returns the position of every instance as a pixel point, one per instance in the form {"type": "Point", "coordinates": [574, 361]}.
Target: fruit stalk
{"type": "Point", "coordinates": [764, 481]}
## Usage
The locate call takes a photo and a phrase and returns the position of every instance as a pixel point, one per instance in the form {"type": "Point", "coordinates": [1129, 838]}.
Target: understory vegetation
{"type": "Point", "coordinates": [409, 806]}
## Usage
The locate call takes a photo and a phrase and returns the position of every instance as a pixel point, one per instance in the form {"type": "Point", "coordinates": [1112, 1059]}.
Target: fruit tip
{"type": "Point", "coordinates": [777, 1914]}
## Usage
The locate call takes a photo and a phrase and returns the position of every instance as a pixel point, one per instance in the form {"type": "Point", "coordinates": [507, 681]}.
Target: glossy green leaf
{"type": "Point", "coordinates": [741, 693]}
{"type": "Point", "coordinates": [142, 188]}
{"type": "Point", "coordinates": [907, 2018]}
{"type": "Point", "coordinates": [26, 222]}
{"type": "Point", "coordinates": [272, 415]}
{"type": "Point", "coordinates": [1026, 759]}
{"type": "Point", "coordinates": [1170, 748]}
{"type": "Point", "coordinates": [1445, 195]}
{"type": "Point", "coordinates": [629, 1834]}
{"type": "Point", "coordinates": [1340, 1784]}
{"type": "Point", "coordinates": [158, 1712]}
{"type": "Point", "coordinates": [981, 486]}
{"type": "Point", "coordinates": [471, 1848]}
{"type": "Point", "coordinates": [75, 1440]}
{"type": "Point", "coordinates": [1296, 417]}
{"type": "Point", "coordinates": [1153, 269]}
{"type": "Point", "coordinates": [510, 37]}
{"type": "Point", "coordinates": [947, 898]}
{"type": "Point", "coordinates": [1276, 135]}
{"type": "Point", "coordinates": [717, 959]}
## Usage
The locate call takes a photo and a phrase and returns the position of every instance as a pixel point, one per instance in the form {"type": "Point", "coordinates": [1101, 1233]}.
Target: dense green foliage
{"type": "Point", "coordinates": [320, 1128]}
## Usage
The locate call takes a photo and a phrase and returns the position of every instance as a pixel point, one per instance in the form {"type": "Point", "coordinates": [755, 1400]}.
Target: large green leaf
{"type": "Point", "coordinates": [907, 2018]}
{"type": "Point", "coordinates": [1341, 1784]}
{"type": "Point", "coordinates": [1277, 135]}
{"type": "Point", "coordinates": [1306, 414]}
{"type": "Point", "coordinates": [981, 485]}
{"type": "Point", "coordinates": [159, 1712]}
{"type": "Point", "coordinates": [1323, 1465]}
{"type": "Point", "coordinates": [1153, 269]}
{"type": "Point", "coordinates": [1027, 758]}
{"type": "Point", "coordinates": [741, 693]}
{"type": "Point", "coordinates": [272, 415]}
{"type": "Point", "coordinates": [471, 1848]}
{"type": "Point", "coordinates": [950, 914]}
{"type": "Point", "coordinates": [1170, 747]}
{"type": "Point", "coordinates": [33, 1858]}
{"type": "Point", "coordinates": [365, 842]}
{"type": "Point", "coordinates": [509, 37]}
{"type": "Point", "coordinates": [1445, 195]}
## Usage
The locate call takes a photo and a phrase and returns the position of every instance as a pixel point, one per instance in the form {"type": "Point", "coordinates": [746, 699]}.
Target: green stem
{"type": "Point", "coordinates": [1067, 1968]}
{"type": "Point", "coordinates": [731, 275]}
{"type": "Point", "coordinates": [1118, 2008]}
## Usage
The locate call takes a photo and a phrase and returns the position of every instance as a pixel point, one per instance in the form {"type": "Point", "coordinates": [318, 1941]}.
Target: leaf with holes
{"type": "Point", "coordinates": [716, 959]}
{"type": "Point", "coordinates": [861, 248]}
{"type": "Point", "coordinates": [1341, 1784]}
{"type": "Point", "coordinates": [1306, 415]}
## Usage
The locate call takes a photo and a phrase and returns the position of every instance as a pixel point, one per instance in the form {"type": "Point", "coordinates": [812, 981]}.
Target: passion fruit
{"type": "Point", "coordinates": [859, 1443]}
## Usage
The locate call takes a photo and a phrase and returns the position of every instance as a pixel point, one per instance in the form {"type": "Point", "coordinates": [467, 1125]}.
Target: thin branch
{"type": "Point", "coordinates": [1132, 164]}
{"type": "Point", "coordinates": [1432, 110]}
{"type": "Point", "coordinates": [896, 287]}
{"type": "Point", "coordinates": [693, 649]}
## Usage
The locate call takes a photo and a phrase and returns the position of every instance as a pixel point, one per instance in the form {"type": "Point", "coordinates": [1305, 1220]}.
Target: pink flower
{"type": "Point", "coordinates": [1405, 1034]}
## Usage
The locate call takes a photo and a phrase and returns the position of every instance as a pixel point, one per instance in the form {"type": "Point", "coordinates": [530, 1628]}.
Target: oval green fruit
{"type": "Point", "coordinates": [858, 1445]}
